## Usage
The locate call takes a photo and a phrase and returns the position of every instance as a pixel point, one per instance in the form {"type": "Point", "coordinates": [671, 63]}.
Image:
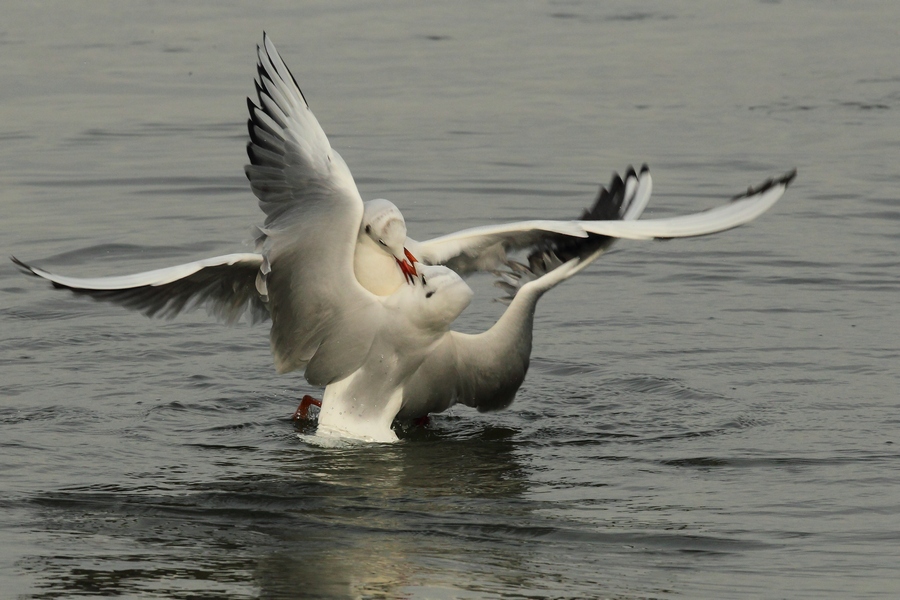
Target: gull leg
{"type": "Point", "coordinates": [302, 412]}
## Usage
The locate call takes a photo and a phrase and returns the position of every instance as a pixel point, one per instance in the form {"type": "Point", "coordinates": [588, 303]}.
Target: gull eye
{"type": "Point", "coordinates": [424, 283]}
{"type": "Point", "coordinates": [429, 294]}
{"type": "Point", "coordinates": [368, 229]}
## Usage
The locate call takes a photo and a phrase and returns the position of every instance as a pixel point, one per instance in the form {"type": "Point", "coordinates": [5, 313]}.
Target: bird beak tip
{"type": "Point", "coordinates": [408, 266]}
{"type": "Point", "coordinates": [408, 269]}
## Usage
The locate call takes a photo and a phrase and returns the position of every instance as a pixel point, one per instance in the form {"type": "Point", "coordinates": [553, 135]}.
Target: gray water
{"type": "Point", "coordinates": [709, 418]}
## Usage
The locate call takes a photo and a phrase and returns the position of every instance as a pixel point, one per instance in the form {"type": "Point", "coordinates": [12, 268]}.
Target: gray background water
{"type": "Point", "coordinates": [710, 418]}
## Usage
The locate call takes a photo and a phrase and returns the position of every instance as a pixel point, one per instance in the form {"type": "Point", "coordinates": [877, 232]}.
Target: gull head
{"type": "Point", "coordinates": [438, 295]}
{"type": "Point", "coordinates": [384, 225]}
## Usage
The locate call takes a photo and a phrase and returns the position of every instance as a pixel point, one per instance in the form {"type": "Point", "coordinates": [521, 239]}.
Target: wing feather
{"type": "Point", "coordinates": [485, 248]}
{"type": "Point", "coordinates": [320, 314]}
{"type": "Point", "coordinates": [740, 210]}
{"type": "Point", "coordinates": [224, 285]}
{"type": "Point", "coordinates": [614, 215]}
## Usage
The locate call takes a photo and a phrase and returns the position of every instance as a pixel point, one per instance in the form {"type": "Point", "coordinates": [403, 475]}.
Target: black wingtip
{"type": "Point", "coordinates": [787, 178]}
{"type": "Point", "coordinates": [251, 106]}
{"type": "Point", "coordinates": [249, 156]}
{"type": "Point", "coordinates": [254, 109]}
{"type": "Point", "coordinates": [252, 154]}
{"type": "Point", "coordinates": [23, 267]}
{"type": "Point", "coordinates": [258, 85]}
{"type": "Point", "coordinates": [266, 37]}
{"type": "Point", "coordinates": [767, 185]}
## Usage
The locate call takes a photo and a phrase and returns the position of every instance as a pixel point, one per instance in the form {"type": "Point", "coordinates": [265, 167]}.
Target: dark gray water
{"type": "Point", "coordinates": [710, 418]}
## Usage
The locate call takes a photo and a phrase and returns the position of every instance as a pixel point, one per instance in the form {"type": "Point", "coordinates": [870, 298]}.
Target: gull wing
{"type": "Point", "coordinates": [485, 248]}
{"type": "Point", "coordinates": [740, 210]}
{"type": "Point", "coordinates": [293, 170]}
{"type": "Point", "coordinates": [313, 214]}
{"type": "Point", "coordinates": [224, 285]}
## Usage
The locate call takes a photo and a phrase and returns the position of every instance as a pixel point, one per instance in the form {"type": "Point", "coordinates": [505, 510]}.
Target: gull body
{"type": "Point", "coordinates": [418, 365]}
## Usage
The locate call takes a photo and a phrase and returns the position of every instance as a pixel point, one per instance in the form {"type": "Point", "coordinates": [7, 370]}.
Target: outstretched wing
{"type": "Point", "coordinates": [224, 285]}
{"type": "Point", "coordinates": [486, 248]}
{"type": "Point", "coordinates": [294, 171]}
{"type": "Point", "coordinates": [313, 214]}
{"type": "Point", "coordinates": [740, 210]}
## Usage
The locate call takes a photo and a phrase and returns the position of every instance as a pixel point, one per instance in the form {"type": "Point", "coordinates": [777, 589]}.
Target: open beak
{"type": "Point", "coordinates": [408, 266]}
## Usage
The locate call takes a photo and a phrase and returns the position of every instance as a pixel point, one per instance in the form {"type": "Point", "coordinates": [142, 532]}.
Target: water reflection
{"type": "Point", "coordinates": [363, 521]}
{"type": "Point", "coordinates": [383, 519]}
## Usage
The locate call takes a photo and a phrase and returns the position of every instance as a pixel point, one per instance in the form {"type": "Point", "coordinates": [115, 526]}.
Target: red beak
{"type": "Point", "coordinates": [408, 266]}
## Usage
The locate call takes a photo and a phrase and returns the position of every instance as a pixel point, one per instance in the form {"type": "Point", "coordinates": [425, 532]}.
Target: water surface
{"type": "Point", "coordinates": [709, 418]}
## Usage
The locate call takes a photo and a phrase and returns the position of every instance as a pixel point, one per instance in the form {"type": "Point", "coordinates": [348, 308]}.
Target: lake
{"type": "Point", "coordinates": [706, 418]}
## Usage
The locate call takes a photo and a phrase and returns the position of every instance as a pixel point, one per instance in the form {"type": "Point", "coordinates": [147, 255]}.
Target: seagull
{"type": "Point", "coordinates": [365, 311]}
